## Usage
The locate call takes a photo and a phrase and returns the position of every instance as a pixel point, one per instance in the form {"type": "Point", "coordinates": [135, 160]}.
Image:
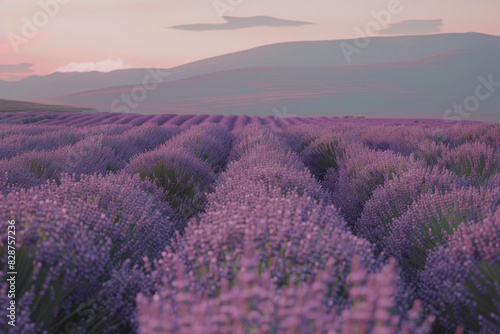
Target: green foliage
{"type": "Point", "coordinates": [483, 287]}
{"type": "Point", "coordinates": [306, 142]}
{"type": "Point", "coordinates": [462, 166]}
{"type": "Point", "coordinates": [445, 223]}
{"type": "Point", "coordinates": [325, 155]}
{"type": "Point", "coordinates": [46, 308]}
{"type": "Point", "coordinates": [183, 190]}
{"type": "Point", "coordinates": [41, 168]}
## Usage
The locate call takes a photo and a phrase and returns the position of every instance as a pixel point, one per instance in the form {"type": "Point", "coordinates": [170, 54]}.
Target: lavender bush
{"type": "Point", "coordinates": [140, 139]}
{"type": "Point", "coordinates": [209, 142]}
{"type": "Point", "coordinates": [322, 154]}
{"type": "Point", "coordinates": [88, 156]}
{"type": "Point", "coordinates": [396, 196]}
{"type": "Point", "coordinates": [231, 224]}
{"type": "Point", "coordinates": [252, 135]}
{"type": "Point", "coordinates": [183, 177]}
{"type": "Point", "coordinates": [75, 234]}
{"type": "Point", "coordinates": [250, 304]}
{"type": "Point", "coordinates": [360, 173]}
{"type": "Point", "coordinates": [432, 218]}
{"type": "Point", "coordinates": [476, 161]}
{"type": "Point", "coordinates": [49, 140]}
{"type": "Point", "coordinates": [431, 152]}
{"type": "Point", "coordinates": [30, 169]}
{"type": "Point", "coordinates": [461, 280]}
{"type": "Point", "coordinates": [60, 262]}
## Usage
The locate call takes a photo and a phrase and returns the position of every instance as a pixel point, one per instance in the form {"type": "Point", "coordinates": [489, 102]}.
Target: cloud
{"type": "Point", "coordinates": [16, 68]}
{"type": "Point", "coordinates": [233, 23]}
{"type": "Point", "coordinates": [413, 27]}
{"type": "Point", "coordinates": [107, 65]}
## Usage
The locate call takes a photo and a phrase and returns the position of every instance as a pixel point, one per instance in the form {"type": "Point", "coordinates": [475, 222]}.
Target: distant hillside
{"type": "Point", "coordinates": [17, 106]}
{"type": "Point", "coordinates": [426, 87]}
{"type": "Point", "coordinates": [403, 76]}
{"type": "Point", "coordinates": [290, 54]}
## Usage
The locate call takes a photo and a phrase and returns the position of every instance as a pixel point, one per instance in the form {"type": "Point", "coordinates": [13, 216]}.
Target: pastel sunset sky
{"type": "Point", "coordinates": [41, 37]}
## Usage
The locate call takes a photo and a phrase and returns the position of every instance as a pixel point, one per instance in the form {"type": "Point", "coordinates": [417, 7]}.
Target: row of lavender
{"type": "Point", "coordinates": [232, 122]}
{"type": "Point", "coordinates": [270, 254]}
{"type": "Point", "coordinates": [403, 136]}
{"type": "Point", "coordinates": [433, 205]}
{"type": "Point", "coordinates": [82, 238]}
{"type": "Point", "coordinates": [405, 189]}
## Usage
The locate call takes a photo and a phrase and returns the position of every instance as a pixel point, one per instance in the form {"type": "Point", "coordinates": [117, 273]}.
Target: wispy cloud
{"type": "Point", "coordinates": [233, 23]}
{"type": "Point", "coordinates": [106, 65]}
{"type": "Point", "coordinates": [413, 27]}
{"type": "Point", "coordinates": [16, 68]}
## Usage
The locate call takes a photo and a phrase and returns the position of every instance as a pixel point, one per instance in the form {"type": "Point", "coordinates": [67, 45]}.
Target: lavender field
{"type": "Point", "coordinates": [128, 223]}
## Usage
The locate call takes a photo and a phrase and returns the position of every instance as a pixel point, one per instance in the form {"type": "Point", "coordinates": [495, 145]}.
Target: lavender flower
{"type": "Point", "coordinates": [396, 196]}
{"type": "Point", "coordinates": [432, 218]}
{"type": "Point", "coordinates": [360, 172]}
{"type": "Point", "coordinates": [476, 161]}
{"type": "Point", "coordinates": [461, 281]}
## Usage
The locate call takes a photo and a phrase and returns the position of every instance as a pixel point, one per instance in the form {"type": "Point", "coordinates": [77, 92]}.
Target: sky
{"type": "Point", "coordinates": [44, 36]}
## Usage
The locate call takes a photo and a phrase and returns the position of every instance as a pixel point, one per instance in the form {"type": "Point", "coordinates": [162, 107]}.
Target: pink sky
{"type": "Point", "coordinates": [83, 35]}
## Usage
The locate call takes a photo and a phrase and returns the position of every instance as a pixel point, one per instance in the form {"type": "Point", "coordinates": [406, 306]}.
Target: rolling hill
{"type": "Point", "coordinates": [426, 87]}
{"type": "Point", "coordinates": [402, 76]}
{"type": "Point", "coordinates": [20, 106]}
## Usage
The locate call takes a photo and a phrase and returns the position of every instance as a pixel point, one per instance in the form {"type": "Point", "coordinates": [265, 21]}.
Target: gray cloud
{"type": "Point", "coordinates": [16, 68]}
{"type": "Point", "coordinates": [233, 23]}
{"type": "Point", "coordinates": [413, 27]}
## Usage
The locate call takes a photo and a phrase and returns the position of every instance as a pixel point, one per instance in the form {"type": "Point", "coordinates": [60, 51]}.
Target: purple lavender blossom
{"type": "Point", "coordinates": [396, 196]}
{"type": "Point", "coordinates": [461, 281]}
{"type": "Point", "coordinates": [228, 224]}
{"type": "Point", "coordinates": [475, 161]}
{"type": "Point", "coordinates": [431, 219]}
